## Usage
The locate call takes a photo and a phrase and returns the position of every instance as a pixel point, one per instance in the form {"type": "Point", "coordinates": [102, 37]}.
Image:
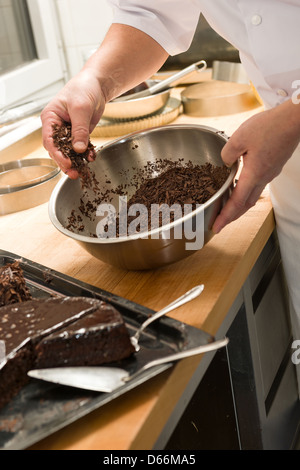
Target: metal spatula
{"type": "Point", "coordinates": [108, 379]}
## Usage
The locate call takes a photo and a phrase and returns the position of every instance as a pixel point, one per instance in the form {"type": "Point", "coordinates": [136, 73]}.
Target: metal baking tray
{"type": "Point", "coordinates": [218, 98]}
{"type": "Point", "coordinates": [41, 408]}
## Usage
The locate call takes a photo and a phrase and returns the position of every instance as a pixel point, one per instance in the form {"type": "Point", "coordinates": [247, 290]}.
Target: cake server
{"type": "Point", "coordinates": [108, 379]}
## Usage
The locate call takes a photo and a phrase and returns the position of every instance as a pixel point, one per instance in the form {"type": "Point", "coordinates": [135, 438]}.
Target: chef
{"type": "Point", "coordinates": [267, 34]}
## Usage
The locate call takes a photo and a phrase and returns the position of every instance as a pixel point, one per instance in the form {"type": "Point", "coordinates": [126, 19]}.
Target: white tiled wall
{"type": "Point", "coordinates": [83, 25]}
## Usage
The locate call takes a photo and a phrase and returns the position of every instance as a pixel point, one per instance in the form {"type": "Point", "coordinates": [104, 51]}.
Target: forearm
{"type": "Point", "coordinates": [126, 58]}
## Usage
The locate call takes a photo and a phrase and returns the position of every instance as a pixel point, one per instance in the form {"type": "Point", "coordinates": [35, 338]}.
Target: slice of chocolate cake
{"type": "Point", "coordinates": [13, 288]}
{"type": "Point", "coordinates": [95, 339]}
{"type": "Point", "coordinates": [25, 326]}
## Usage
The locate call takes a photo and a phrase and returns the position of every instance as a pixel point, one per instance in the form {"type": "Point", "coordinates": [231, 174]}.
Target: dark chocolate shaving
{"type": "Point", "coordinates": [62, 138]}
{"type": "Point", "coordinates": [13, 287]}
{"type": "Point", "coordinates": [175, 182]}
{"type": "Point", "coordinates": [182, 185]}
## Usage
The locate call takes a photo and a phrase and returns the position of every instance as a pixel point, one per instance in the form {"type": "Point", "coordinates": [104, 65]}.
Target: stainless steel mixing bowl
{"type": "Point", "coordinates": [117, 163]}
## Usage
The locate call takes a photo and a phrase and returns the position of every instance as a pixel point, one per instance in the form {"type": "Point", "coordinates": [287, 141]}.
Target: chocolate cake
{"type": "Point", "coordinates": [81, 343]}
{"type": "Point", "coordinates": [13, 288]}
{"type": "Point", "coordinates": [57, 331]}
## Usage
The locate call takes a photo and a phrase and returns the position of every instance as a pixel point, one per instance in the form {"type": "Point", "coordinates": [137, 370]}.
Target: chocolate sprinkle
{"type": "Point", "coordinates": [13, 287]}
{"type": "Point", "coordinates": [177, 182]}
{"type": "Point", "coordinates": [182, 185]}
{"type": "Point", "coordinates": [62, 138]}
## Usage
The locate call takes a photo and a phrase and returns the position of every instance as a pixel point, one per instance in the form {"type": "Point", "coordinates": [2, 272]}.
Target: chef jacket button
{"type": "Point", "coordinates": [282, 92]}
{"type": "Point", "coordinates": [256, 20]}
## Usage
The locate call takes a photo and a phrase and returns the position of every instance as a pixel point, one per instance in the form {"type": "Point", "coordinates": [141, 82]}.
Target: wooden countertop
{"type": "Point", "coordinates": [136, 419]}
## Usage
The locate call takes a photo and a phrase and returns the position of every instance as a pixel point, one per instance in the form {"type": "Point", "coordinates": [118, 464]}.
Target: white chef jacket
{"type": "Point", "coordinates": [267, 35]}
{"type": "Point", "coordinates": [266, 32]}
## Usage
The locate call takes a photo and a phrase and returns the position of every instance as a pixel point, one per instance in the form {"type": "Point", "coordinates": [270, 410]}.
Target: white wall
{"type": "Point", "coordinates": [83, 25]}
{"type": "Point", "coordinates": [10, 51]}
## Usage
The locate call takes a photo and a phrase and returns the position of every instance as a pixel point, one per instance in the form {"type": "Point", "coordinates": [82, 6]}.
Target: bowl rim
{"type": "Point", "coordinates": [144, 235]}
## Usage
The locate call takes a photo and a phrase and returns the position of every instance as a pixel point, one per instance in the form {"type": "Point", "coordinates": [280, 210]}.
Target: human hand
{"type": "Point", "coordinates": [265, 142]}
{"type": "Point", "coordinates": [80, 102]}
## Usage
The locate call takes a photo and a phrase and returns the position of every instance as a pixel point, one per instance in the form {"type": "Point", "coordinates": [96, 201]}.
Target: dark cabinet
{"type": "Point", "coordinates": [248, 397]}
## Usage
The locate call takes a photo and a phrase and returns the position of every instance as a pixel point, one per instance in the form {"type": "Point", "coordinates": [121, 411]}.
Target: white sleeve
{"type": "Point", "coordinates": [172, 23]}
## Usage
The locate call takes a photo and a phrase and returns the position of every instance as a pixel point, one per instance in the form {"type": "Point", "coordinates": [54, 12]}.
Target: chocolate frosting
{"type": "Point", "coordinates": [36, 318]}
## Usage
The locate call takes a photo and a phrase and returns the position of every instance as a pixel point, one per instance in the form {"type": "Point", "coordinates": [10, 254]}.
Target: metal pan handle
{"type": "Point", "coordinates": [164, 84]}
{"type": "Point", "coordinates": [180, 355]}
{"type": "Point", "coordinates": [197, 66]}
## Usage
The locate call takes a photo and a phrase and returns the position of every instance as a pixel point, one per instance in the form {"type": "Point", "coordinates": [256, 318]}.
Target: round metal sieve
{"type": "Point", "coordinates": [21, 174]}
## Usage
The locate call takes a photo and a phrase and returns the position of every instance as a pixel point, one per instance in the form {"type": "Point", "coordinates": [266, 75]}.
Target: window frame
{"type": "Point", "coordinates": [42, 74]}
